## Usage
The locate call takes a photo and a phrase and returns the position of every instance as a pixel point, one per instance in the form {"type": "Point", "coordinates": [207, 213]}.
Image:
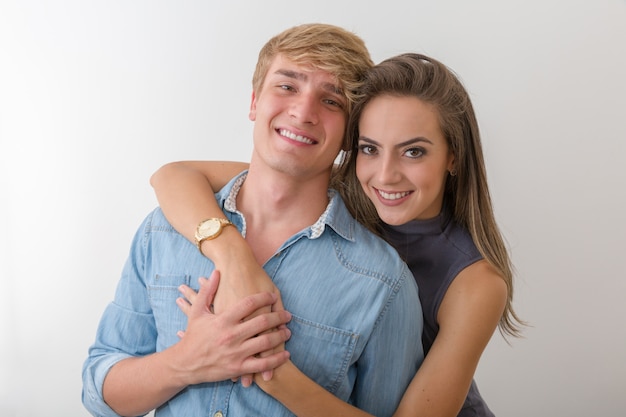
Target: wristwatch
{"type": "Point", "coordinates": [210, 229]}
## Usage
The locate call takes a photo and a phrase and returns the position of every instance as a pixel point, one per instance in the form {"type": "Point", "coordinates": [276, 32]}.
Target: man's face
{"type": "Point", "coordinates": [300, 119]}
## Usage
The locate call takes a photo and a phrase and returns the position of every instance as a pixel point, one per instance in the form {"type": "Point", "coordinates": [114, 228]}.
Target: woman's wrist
{"type": "Point", "coordinates": [229, 244]}
{"type": "Point", "coordinates": [281, 381]}
{"type": "Point", "coordinates": [240, 271]}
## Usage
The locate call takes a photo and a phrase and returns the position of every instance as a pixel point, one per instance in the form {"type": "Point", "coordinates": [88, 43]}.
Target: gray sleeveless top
{"type": "Point", "coordinates": [436, 250]}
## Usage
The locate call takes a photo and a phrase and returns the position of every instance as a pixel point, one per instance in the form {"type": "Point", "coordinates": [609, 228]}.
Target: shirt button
{"type": "Point", "coordinates": [218, 414]}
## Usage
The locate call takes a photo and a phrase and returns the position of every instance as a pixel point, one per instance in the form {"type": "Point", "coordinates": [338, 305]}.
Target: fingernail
{"type": "Point", "coordinates": [267, 375]}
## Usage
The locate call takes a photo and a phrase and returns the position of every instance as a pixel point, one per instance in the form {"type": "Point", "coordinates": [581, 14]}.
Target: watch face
{"type": "Point", "coordinates": [209, 228]}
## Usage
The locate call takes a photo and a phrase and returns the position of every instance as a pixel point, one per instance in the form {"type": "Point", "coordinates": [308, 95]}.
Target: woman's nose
{"type": "Point", "coordinates": [388, 172]}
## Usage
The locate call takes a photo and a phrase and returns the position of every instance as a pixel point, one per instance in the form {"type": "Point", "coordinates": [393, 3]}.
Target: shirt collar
{"type": "Point", "coordinates": [336, 215]}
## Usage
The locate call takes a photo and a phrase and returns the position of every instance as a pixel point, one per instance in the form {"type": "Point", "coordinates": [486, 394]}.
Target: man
{"type": "Point", "coordinates": [355, 314]}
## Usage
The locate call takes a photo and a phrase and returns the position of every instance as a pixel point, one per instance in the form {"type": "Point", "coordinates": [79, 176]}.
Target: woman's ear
{"type": "Point", "coordinates": [451, 164]}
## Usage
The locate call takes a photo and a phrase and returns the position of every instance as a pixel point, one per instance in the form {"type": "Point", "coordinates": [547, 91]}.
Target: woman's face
{"type": "Point", "coordinates": [403, 158]}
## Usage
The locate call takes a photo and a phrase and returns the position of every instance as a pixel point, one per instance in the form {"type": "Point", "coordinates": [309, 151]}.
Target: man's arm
{"type": "Point", "coordinates": [215, 347]}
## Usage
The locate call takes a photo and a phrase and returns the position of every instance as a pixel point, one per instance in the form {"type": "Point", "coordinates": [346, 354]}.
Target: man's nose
{"type": "Point", "coordinates": [305, 109]}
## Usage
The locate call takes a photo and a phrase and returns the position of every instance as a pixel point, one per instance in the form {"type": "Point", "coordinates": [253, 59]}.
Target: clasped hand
{"type": "Point", "coordinates": [231, 343]}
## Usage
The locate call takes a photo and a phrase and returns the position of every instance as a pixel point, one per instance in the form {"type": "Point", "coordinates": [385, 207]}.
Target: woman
{"type": "Point", "coordinates": [414, 173]}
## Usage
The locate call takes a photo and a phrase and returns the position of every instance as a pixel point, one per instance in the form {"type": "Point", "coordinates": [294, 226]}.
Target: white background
{"type": "Point", "coordinates": [96, 95]}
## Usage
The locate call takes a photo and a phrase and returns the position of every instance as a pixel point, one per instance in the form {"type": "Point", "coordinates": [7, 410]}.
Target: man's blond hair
{"type": "Point", "coordinates": [325, 47]}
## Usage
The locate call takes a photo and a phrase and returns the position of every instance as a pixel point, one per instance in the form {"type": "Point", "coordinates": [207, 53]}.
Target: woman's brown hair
{"type": "Point", "coordinates": [466, 192]}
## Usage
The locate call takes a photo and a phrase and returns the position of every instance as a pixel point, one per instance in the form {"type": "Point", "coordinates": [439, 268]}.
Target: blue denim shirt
{"type": "Point", "coordinates": [356, 326]}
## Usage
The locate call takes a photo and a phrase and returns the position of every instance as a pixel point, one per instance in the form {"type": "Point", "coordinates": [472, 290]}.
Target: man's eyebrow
{"type": "Point", "coordinates": [330, 87]}
{"type": "Point", "coordinates": [292, 74]}
{"type": "Point", "coordinates": [333, 88]}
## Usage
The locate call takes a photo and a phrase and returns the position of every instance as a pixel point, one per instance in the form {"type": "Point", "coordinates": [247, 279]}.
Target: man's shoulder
{"type": "Point", "coordinates": [349, 228]}
{"type": "Point", "coordinates": [375, 246]}
{"type": "Point", "coordinates": [155, 221]}
{"type": "Point", "coordinates": [362, 235]}
{"type": "Point", "coordinates": [362, 250]}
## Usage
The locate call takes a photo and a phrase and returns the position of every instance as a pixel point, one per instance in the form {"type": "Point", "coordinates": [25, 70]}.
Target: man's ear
{"type": "Point", "coordinates": [252, 113]}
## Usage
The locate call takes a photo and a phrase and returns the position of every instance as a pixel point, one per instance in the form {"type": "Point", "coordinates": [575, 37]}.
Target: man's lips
{"type": "Point", "coordinates": [295, 137]}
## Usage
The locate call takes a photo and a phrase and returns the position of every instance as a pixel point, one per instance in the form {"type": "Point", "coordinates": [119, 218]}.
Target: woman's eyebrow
{"type": "Point", "coordinates": [399, 145]}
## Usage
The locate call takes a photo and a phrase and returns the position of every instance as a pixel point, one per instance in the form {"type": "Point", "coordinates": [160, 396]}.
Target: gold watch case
{"type": "Point", "coordinates": [210, 229]}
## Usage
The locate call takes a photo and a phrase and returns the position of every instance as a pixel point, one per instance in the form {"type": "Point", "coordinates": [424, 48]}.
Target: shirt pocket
{"type": "Point", "coordinates": [322, 352]}
{"type": "Point", "coordinates": [169, 319]}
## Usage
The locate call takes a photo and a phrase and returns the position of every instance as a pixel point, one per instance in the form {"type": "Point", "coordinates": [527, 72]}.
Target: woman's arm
{"type": "Point", "coordinates": [468, 315]}
{"type": "Point", "coordinates": [304, 397]}
{"type": "Point", "coordinates": [185, 191]}
{"type": "Point", "coordinates": [300, 394]}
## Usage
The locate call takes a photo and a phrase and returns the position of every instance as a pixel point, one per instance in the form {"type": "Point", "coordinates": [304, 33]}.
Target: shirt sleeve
{"type": "Point", "coordinates": [126, 329]}
{"type": "Point", "coordinates": [394, 352]}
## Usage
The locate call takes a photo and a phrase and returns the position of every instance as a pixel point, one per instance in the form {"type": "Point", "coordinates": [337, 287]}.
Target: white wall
{"type": "Point", "coordinates": [94, 96]}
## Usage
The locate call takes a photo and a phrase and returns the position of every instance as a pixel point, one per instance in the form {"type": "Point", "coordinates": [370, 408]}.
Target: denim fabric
{"type": "Point", "coordinates": [356, 327]}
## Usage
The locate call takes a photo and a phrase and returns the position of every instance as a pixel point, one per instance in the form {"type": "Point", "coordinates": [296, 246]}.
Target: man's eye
{"type": "Point", "coordinates": [334, 103]}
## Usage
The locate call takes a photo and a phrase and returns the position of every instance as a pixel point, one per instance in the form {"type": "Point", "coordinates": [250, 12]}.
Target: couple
{"type": "Point", "coordinates": [413, 174]}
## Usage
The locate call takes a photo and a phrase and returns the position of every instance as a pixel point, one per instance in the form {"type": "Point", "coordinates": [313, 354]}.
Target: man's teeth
{"type": "Point", "coordinates": [295, 137]}
{"type": "Point", "coordinates": [392, 196]}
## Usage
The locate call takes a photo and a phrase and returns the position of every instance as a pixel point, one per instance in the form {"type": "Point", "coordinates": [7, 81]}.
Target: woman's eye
{"type": "Point", "coordinates": [367, 149]}
{"type": "Point", "coordinates": [414, 152]}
